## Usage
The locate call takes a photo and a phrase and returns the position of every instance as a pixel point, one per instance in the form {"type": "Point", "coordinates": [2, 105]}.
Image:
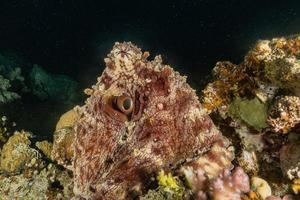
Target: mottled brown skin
{"type": "Point", "coordinates": [117, 153]}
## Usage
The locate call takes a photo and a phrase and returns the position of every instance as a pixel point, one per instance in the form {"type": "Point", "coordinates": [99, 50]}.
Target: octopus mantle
{"type": "Point", "coordinates": [141, 117]}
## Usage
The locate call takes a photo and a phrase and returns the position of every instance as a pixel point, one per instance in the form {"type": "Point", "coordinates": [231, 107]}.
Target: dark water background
{"type": "Point", "coordinates": [73, 37]}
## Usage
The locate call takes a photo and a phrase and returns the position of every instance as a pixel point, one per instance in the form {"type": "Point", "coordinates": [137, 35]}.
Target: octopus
{"type": "Point", "coordinates": [140, 117]}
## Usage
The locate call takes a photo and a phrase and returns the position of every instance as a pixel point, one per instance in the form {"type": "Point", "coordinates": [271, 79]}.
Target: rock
{"type": "Point", "coordinates": [66, 120]}
{"type": "Point", "coordinates": [49, 183]}
{"type": "Point", "coordinates": [62, 150]}
{"type": "Point", "coordinates": [290, 160]}
{"type": "Point", "coordinates": [261, 187]}
{"type": "Point", "coordinates": [244, 109]}
{"type": "Point", "coordinates": [250, 142]}
{"type": "Point", "coordinates": [17, 155]}
{"type": "Point", "coordinates": [12, 84]}
{"type": "Point", "coordinates": [45, 147]}
{"type": "Point", "coordinates": [6, 95]}
{"type": "Point", "coordinates": [63, 139]}
{"type": "Point", "coordinates": [55, 87]}
{"type": "Point", "coordinates": [284, 72]}
{"type": "Point", "coordinates": [248, 161]}
{"type": "Point", "coordinates": [284, 114]}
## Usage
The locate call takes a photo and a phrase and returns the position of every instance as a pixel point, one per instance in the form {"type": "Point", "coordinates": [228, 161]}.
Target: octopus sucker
{"type": "Point", "coordinates": [147, 119]}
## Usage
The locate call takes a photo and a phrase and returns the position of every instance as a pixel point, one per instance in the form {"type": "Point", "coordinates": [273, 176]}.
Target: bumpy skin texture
{"type": "Point", "coordinates": [115, 154]}
{"type": "Point", "coordinates": [285, 114]}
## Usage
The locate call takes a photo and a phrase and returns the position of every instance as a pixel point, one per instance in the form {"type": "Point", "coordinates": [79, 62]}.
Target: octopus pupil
{"type": "Point", "coordinates": [127, 104]}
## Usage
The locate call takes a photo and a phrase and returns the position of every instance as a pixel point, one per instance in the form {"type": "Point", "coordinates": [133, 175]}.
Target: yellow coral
{"type": "Point", "coordinates": [296, 186]}
{"type": "Point", "coordinates": [170, 185]}
{"type": "Point", "coordinates": [16, 153]}
{"type": "Point", "coordinates": [214, 95]}
{"type": "Point", "coordinates": [66, 120]}
{"type": "Point", "coordinates": [45, 147]}
{"type": "Point", "coordinates": [167, 180]}
{"type": "Point", "coordinates": [62, 150]}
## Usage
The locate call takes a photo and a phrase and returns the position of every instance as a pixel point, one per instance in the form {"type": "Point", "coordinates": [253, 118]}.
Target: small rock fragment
{"type": "Point", "coordinates": [66, 120]}
{"type": "Point", "coordinates": [45, 147]}
{"type": "Point", "coordinates": [248, 161]}
{"type": "Point", "coordinates": [62, 150]}
{"type": "Point", "coordinates": [261, 187]}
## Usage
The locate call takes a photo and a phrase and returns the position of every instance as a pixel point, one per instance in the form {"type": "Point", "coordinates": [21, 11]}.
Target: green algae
{"type": "Point", "coordinates": [253, 112]}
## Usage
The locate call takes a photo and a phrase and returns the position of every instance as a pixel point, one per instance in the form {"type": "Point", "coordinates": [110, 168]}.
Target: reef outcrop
{"type": "Point", "coordinates": [143, 134]}
{"type": "Point", "coordinates": [11, 79]}
{"type": "Point", "coordinates": [26, 171]}
{"type": "Point", "coordinates": [256, 103]}
{"type": "Point", "coordinates": [17, 155]}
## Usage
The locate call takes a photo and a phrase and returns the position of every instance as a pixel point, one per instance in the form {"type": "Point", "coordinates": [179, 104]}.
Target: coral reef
{"type": "Point", "coordinates": [11, 80]}
{"type": "Point", "coordinates": [63, 139]}
{"type": "Point", "coordinates": [40, 185]}
{"type": "Point", "coordinates": [216, 93]}
{"type": "Point", "coordinates": [170, 185]}
{"type": "Point", "coordinates": [45, 86]}
{"type": "Point", "coordinates": [143, 134]}
{"type": "Point", "coordinates": [5, 129]}
{"type": "Point", "coordinates": [45, 147]}
{"type": "Point", "coordinates": [5, 94]}
{"type": "Point", "coordinates": [248, 161]}
{"type": "Point", "coordinates": [55, 87]}
{"type": "Point", "coordinates": [290, 159]}
{"type": "Point", "coordinates": [170, 188]}
{"type": "Point", "coordinates": [296, 186]}
{"type": "Point", "coordinates": [227, 185]}
{"type": "Point", "coordinates": [261, 187]}
{"type": "Point", "coordinates": [17, 155]}
{"type": "Point", "coordinates": [141, 117]}
{"type": "Point", "coordinates": [257, 105]}
{"type": "Point", "coordinates": [26, 174]}
{"type": "Point", "coordinates": [230, 185]}
{"type": "Point", "coordinates": [62, 149]}
{"type": "Point", "coordinates": [209, 165]}
{"type": "Point", "coordinates": [243, 109]}
{"type": "Point", "coordinates": [285, 114]}
{"type": "Point", "coordinates": [66, 120]}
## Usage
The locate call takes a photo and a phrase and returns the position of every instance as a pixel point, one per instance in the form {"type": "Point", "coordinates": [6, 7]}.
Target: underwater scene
{"type": "Point", "coordinates": [150, 100]}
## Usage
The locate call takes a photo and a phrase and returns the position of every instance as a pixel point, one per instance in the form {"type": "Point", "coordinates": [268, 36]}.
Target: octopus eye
{"type": "Point", "coordinates": [124, 103]}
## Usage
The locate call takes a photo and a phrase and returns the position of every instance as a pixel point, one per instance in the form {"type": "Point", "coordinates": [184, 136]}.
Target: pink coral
{"type": "Point", "coordinates": [226, 186]}
{"type": "Point", "coordinates": [230, 186]}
